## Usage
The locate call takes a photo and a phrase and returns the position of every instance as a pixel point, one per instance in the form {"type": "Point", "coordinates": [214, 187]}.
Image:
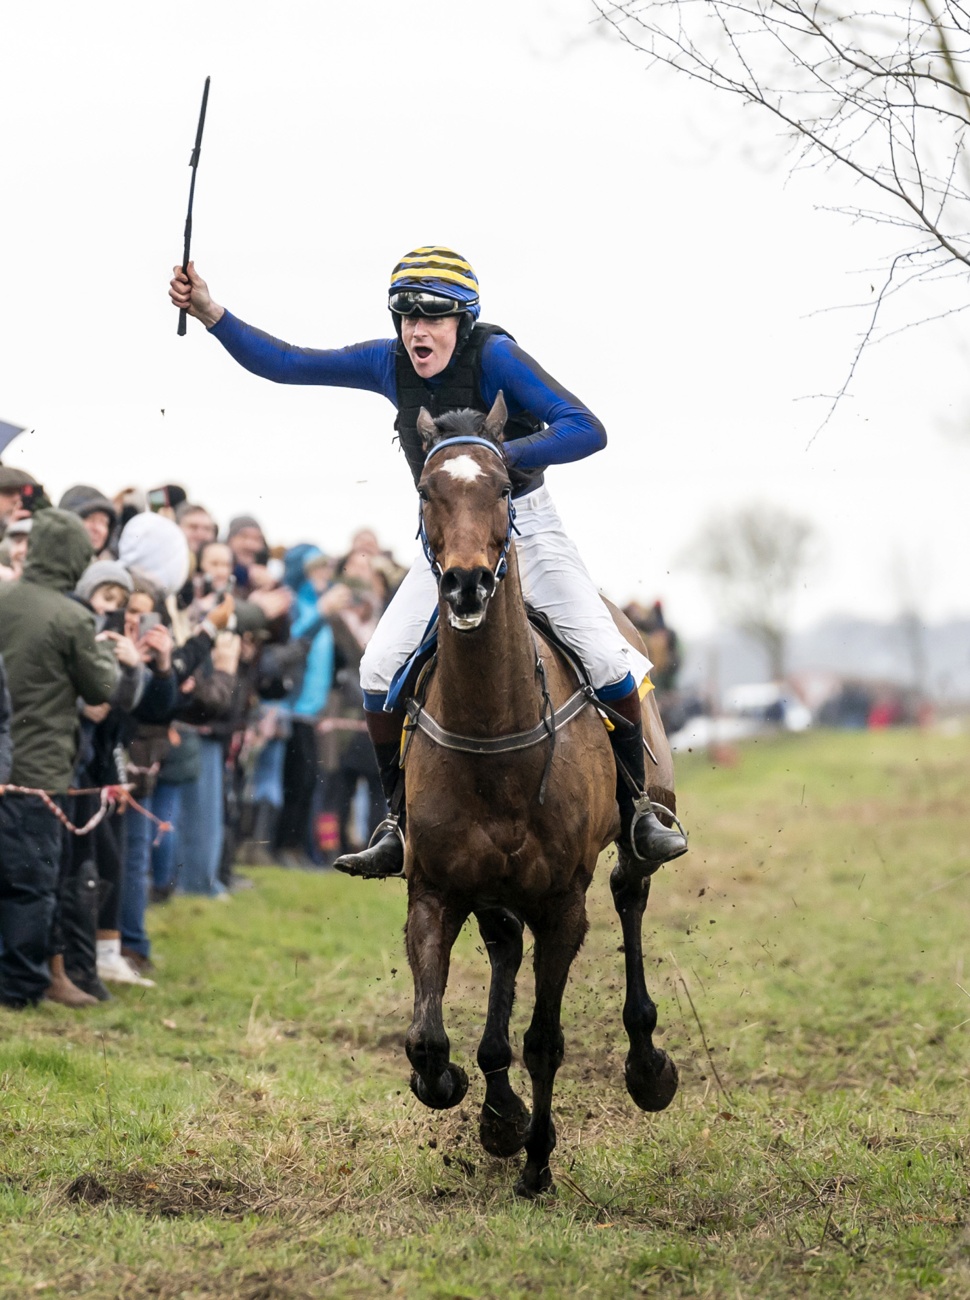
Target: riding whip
{"type": "Point", "coordinates": [194, 164]}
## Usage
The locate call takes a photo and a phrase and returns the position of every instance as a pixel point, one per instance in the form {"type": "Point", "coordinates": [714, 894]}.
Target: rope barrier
{"type": "Point", "coordinates": [111, 797]}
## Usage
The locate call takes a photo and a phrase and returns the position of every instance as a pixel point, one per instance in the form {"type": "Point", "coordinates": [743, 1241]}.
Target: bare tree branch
{"type": "Point", "coordinates": [883, 95]}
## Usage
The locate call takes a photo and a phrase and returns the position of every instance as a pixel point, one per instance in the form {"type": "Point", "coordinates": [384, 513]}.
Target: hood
{"type": "Point", "coordinates": [156, 547]}
{"type": "Point", "coordinates": [59, 550]}
{"type": "Point", "coordinates": [295, 561]}
{"type": "Point", "coordinates": [83, 500]}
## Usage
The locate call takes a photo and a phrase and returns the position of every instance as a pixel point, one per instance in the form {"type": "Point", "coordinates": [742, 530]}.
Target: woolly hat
{"type": "Point", "coordinates": [156, 547]}
{"type": "Point", "coordinates": [243, 521]}
{"type": "Point", "coordinates": [102, 572]}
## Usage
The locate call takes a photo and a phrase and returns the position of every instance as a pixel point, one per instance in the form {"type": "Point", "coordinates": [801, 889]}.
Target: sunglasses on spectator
{"type": "Point", "coordinates": [409, 303]}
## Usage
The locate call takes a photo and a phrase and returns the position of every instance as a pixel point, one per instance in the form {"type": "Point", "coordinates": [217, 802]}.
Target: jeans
{"type": "Point", "coordinates": [166, 854]}
{"type": "Point", "coordinates": [139, 833]}
{"type": "Point", "coordinates": [268, 773]}
{"type": "Point", "coordinates": [201, 824]}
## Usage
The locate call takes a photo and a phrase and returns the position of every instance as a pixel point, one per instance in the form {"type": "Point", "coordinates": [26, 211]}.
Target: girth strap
{"type": "Point", "coordinates": [420, 719]}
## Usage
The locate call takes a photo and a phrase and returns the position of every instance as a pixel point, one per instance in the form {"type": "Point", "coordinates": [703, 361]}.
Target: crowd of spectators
{"type": "Point", "coordinates": [188, 693]}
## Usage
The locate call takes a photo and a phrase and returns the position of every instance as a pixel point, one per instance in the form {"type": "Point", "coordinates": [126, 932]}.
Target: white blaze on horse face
{"type": "Point", "coordinates": [463, 468]}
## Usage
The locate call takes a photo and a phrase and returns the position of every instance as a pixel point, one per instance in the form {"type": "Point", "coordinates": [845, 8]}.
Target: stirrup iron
{"type": "Point", "coordinates": [392, 822]}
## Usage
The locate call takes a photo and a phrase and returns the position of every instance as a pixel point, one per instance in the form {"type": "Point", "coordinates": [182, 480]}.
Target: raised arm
{"type": "Point", "coordinates": [367, 366]}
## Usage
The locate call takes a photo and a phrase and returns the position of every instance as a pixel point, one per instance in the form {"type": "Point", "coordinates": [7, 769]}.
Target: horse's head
{"type": "Point", "coordinates": [466, 511]}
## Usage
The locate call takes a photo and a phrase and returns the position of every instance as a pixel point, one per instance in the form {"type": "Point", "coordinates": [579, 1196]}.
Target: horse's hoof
{"type": "Point", "coordinates": [447, 1092]}
{"type": "Point", "coordinates": [652, 1088]}
{"type": "Point", "coordinates": [535, 1183]}
{"type": "Point", "coordinates": [503, 1134]}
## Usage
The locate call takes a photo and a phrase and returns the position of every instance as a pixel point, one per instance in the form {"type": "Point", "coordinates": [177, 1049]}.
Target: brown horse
{"type": "Point", "coordinates": [500, 821]}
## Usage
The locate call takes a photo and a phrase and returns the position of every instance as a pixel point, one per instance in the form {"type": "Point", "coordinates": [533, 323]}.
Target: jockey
{"type": "Point", "coordinates": [444, 359]}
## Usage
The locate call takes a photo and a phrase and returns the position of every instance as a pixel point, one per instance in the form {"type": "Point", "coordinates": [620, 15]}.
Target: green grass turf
{"type": "Point", "coordinates": [246, 1129]}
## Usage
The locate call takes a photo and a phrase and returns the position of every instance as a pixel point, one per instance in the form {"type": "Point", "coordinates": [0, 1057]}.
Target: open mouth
{"type": "Point", "coordinates": [465, 622]}
{"type": "Point", "coordinates": [422, 353]}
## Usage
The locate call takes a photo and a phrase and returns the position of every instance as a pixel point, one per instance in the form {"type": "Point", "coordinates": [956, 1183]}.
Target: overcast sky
{"type": "Point", "coordinates": [642, 241]}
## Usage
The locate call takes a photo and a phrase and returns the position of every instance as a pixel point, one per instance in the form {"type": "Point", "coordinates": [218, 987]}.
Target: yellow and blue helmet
{"type": "Point", "coordinates": [434, 281]}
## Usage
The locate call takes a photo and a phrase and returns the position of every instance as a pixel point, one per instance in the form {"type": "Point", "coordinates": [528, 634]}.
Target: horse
{"type": "Point", "coordinates": [510, 799]}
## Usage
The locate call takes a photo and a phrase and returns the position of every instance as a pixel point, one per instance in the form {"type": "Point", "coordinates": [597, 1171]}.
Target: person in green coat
{"type": "Point", "coordinates": [51, 657]}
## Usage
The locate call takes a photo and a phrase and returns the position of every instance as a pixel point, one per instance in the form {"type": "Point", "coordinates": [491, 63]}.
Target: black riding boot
{"type": "Point", "coordinates": [640, 830]}
{"type": "Point", "coordinates": [384, 856]}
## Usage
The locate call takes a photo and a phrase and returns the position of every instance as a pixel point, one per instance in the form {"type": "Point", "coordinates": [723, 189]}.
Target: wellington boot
{"type": "Point", "coordinates": [63, 990]}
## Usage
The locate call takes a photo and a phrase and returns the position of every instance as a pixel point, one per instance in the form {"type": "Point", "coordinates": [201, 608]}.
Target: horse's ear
{"type": "Point", "coordinates": [494, 425]}
{"type": "Point", "coordinates": [426, 429]}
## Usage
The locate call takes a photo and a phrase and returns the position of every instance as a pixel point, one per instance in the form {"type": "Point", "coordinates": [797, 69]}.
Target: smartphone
{"type": "Point", "coordinates": [146, 622]}
{"type": "Point", "coordinates": [158, 499]}
{"type": "Point", "coordinates": [228, 589]}
{"type": "Point", "coordinates": [114, 621]}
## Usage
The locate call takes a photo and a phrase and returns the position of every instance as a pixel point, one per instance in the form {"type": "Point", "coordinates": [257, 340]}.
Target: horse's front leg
{"type": "Point", "coordinates": [432, 928]}
{"type": "Point", "coordinates": [504, 1120]}
{"type": "Point", "coordinates": [651, 1076]}
{"type": "Point", "coordinates": [558, 937]}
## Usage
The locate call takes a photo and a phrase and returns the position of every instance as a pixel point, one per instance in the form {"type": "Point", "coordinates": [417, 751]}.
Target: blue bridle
{"type": "Point", "coordinates": [468, 440]}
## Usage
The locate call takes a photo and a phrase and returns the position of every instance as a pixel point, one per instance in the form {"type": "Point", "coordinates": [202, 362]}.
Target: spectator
{"type": "Point", "coordinates": [12, 481]}
{"type": "Point", "coordinates": [306, 572]}
{"type": "Point", "coordinates": [155, 546]}
{"type": "Point", "coordinates": [197, 524]}
{"type": "Point", "coordinates": [97, 513]}
{"type": "Point", "coordinates": [14, 548]}
{"type": "Point", "coordinates": [250, 553]}
{"type": "Point", "coordinates": [348, 755]}
{"type": "Point", "coordinates": [209, 703]}
{"type": "Point", "coordinates": [90, 865]}
{"type": "Point", "coordinates": [51, 656]}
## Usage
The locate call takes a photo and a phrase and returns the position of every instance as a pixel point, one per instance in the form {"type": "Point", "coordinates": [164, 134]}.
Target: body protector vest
{"type": "Point", "coordinates": [459, 389]}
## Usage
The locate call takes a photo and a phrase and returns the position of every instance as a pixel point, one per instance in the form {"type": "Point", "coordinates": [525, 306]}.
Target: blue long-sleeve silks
{"type": "Point", "coordinates": [572, 431]}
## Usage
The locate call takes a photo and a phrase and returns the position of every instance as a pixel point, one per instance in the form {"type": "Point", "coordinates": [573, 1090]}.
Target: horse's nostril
{"type": "Point", "coordinates": [487, 582]}
{"type": "Point", "coordinates": [450, 585]}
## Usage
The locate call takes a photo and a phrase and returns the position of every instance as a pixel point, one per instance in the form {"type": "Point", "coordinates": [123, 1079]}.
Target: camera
{"type": "Point", "coordinates": [30, 496]}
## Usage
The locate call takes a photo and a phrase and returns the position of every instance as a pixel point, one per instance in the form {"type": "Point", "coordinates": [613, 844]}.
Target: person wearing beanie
{"type": "Point", "coordinates": [104, 573]}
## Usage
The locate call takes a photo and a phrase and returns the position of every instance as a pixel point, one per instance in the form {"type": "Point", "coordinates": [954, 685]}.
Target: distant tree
{"type": "Point", "coordinates": [752, 560]}
{"type": "Point", "coordinates": [882, 95]}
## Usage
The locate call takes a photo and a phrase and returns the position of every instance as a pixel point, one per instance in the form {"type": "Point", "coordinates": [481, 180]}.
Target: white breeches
{"type": "Point", "coordinates": [554, 580]}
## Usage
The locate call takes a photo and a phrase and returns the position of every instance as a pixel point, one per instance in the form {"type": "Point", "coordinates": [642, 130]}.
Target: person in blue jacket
{"type": "Point", "coordinates": [443, 358]}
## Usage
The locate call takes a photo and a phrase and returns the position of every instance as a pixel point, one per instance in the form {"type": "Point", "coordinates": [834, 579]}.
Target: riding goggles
{"type": "Point", "coordinates": [409, 302]}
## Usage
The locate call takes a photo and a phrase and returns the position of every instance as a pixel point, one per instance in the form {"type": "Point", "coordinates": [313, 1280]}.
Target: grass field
{"type": "Point", "coordinates": [246, 1129]}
